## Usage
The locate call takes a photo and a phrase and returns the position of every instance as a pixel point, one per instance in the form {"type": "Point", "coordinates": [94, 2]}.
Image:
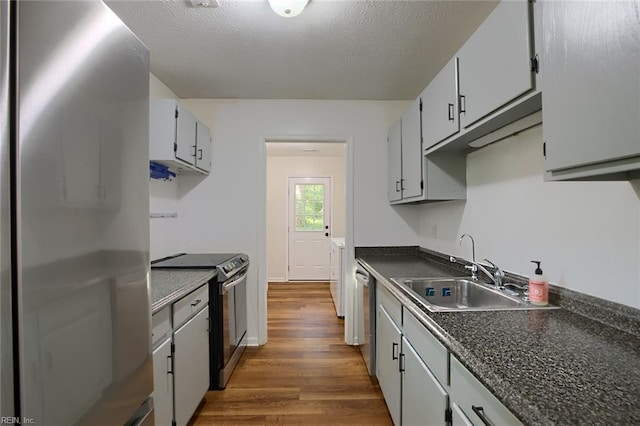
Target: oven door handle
{"type": "Point", "coordinates": [235, 282]}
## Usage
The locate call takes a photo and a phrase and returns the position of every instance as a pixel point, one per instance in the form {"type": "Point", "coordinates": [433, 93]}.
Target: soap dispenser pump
{"type": "Point", "coordinates": [538, 287]}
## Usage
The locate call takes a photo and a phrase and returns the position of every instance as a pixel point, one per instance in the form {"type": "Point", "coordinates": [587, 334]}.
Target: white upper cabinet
{"type": "Point", "coordinates": [394, 157]}
{"type": "Point", "coordinates": [414, 178]}
{"type": "Point", "coordinates": [203, 142]}
{"type": "Point", "coordinates": [590, 66]}
{"type": "Point", "coordinates": [411, 182]}
{"type": "Point", "coordinates": [185, 148]}
{"type": "Point", "coordinates": [177, 139]}
{"type": "Point", "coordinates": [440, 106]}
{"type": "Point", "coordinates": [494, 65]}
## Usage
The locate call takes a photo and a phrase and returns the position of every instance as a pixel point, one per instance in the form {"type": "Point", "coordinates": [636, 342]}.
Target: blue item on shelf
{"type": "Point", "coordinates": [160, 171]}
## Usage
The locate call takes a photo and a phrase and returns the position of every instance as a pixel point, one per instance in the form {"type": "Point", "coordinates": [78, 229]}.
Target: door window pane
{"type": "Point", "coordinates": [309, 207]}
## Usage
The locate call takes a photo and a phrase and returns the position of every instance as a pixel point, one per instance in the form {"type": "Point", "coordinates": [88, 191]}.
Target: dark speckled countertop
{"type": "Point", "coordinates": [547, 366]}
{"type": "Point", "coordinates": [170, 285]}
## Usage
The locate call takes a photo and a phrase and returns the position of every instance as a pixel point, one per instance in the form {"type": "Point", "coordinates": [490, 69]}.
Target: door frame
{"type": "Point", "coordinates": [287, 232]}
{"type": "Point", "coordinates": [352, 328]}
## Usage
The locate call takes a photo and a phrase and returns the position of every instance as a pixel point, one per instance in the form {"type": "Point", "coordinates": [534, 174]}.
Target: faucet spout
{"type": "Point", "coordinates": [473, 245]}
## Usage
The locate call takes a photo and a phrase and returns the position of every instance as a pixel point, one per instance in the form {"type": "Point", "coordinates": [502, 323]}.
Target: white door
{"type": "Point", "coordinates": [309, 228]}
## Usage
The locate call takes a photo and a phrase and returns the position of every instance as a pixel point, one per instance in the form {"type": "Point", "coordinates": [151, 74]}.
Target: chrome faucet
{"type": "Point", "coordinates": [473, 246]}
{"type": "Point", "coordinates": [498, 275]}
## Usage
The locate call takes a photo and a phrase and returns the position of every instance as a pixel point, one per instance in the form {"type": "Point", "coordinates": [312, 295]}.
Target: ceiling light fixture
{"type": "Point", "coordinates": [205, 3]}
{"type": "Point", "coordinates": [288, 8]}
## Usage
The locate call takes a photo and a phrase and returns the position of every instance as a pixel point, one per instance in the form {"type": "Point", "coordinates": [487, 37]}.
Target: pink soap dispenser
{"type": "Point", "coordinates": [538, 287]}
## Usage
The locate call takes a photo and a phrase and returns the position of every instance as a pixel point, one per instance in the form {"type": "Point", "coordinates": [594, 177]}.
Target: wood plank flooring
{"type": "Point", "coordinates": [305, 374]}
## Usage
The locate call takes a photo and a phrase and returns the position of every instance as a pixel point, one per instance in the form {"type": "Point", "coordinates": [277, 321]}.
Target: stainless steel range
{"type": "Point", "coordinates": [228, 304]}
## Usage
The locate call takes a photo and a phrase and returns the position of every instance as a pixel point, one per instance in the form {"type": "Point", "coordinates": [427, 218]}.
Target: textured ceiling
{"type": "Point", "coordinates": [358, 50]}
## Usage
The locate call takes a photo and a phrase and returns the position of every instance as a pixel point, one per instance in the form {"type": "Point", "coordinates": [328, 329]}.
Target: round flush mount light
{"type": "Point", "coordinates": [288, 8]}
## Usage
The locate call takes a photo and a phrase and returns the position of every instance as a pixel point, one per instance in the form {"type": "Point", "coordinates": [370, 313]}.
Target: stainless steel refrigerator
{"type": "Point", "coordinates": [75, 315]}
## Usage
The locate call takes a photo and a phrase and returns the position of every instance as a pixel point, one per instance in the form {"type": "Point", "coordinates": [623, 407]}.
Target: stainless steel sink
{"type": "Point", "coordinates": [462, 294]}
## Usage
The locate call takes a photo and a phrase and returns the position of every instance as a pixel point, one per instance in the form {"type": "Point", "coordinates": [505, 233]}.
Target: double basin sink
{"type": "Point", "coordinates": [464, 294]}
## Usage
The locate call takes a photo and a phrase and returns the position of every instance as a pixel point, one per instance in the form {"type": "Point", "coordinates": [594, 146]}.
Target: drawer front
{"type": "Point", "coordinates": [390, 303]}
{"type": "Point", "coordinates": [160, 326]}
{"type": "Point", "coordinates": [468, 392]}
{"type": "Point", "coordinates": [186, 307]}
{"type": "Point", "coordinates": [432, 352]}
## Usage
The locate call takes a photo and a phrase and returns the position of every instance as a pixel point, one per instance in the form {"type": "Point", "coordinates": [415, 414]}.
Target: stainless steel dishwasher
{"type": "Point", "coordinates": [367, 287]}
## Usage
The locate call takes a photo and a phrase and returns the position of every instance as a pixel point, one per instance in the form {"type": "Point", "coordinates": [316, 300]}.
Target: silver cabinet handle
{"type": "Point", "coordinates": [196, 303]}
{"type": "Point", "coordinates": [451, 112]}
{"type": "Point", "coordinates": [200, 152]}
{"type": "Point", "coordinates": [393, 350]}
{"type": "Point", "coordinates": [169, 369]}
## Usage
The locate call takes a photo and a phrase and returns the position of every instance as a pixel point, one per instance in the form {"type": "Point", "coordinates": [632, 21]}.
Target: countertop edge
{"type": "Point", "coordinates": [178, 294]}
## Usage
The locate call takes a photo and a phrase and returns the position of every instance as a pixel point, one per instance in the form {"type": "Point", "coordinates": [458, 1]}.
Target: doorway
{"type": "Point", "coordinates": [309, 229]}
{"type": "Point", "coordinates": [286, 161]}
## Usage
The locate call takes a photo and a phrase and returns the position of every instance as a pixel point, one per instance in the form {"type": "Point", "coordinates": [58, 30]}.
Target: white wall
{"type": "Point", "coordinates": [226, 211]}
{"type": "Point", "coordinates": [163, 195]}
{"type": "Point", "coordinates": [587, 234]}
{"type": "Point", "coordinates": [279, 169]}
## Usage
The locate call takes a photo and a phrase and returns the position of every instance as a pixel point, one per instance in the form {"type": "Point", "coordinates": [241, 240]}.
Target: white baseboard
{"type": "Point", "coordinates": [276, 280]}
{"type": "Point", "coordinates": [253, 341]}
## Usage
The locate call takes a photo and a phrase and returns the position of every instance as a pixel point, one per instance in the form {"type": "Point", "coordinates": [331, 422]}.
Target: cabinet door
{"type": "Point", "coordinates": [394, 151]}
{"type": "Point", "coordinates": [590, 67]}
{"type": "Point", "coordinates": [424, 401]}
{"type": "Point", "coordinates": [191, 365]}
{"type": "Point", "coordinates": [458, 418]}
{"type": "Point", "coordinates": [411, 182]}
{"type": "Point", "coordinates": [440, 106]}
{"type": "Point", "coordinates": [479, 405]}
{"type": "Point", "coordinates": [186, 136]}
{"type": "Point", "coordinates": [494, 65]}
{"type": "Point", "coordinates": [387, 362]}
{"type": "Point", "coordinates": [163, 384]}
{"type": "Point", "coordinates": [203, 142]}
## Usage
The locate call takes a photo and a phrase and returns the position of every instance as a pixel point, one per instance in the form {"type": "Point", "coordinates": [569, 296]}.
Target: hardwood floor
{"type": "Point", "coordinates": [305, 374]}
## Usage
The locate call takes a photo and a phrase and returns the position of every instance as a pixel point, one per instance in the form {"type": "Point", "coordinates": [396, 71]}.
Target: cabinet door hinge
{"type": "Point", "coordinates": [535, 64]}
{"type": "Point", "coordinates": [173, 348]}
{"type": "Point", "coordinates": [175, 147]}
{"type": "Point", "coordinates": [420, 104]}
{"type": "Point", "coordinates": [173, 423]}
{"type": "Point", "coordinates": [544, 149]}
{"type": "Point", "coordinates": [422, 184]}
{"type": "Point", "coordinates": [176, 112]}
{"type": "Point", "coordinates": [448, 416]}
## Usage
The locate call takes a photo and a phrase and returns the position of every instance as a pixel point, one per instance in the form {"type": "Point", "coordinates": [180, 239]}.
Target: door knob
{"type": "Point", "coordinates": [326, 234]}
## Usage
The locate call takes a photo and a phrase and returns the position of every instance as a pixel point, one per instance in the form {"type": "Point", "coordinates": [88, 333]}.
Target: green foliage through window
{"type": "Point", "coordinates": [309, 207]}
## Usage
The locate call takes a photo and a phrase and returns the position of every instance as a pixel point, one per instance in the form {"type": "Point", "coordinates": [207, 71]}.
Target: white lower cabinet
{"type": "Point", "coordinates": [422, 383]}
{"type": "Point", "coordinates": [479, 405]}
{"type": "Point", "coordinates": [387, 362]}
{"type": "Point", "coordinates": [458, 418]}
{"type": "Point", "coordinates": [163, 384]}
{"type": "Point", "coordinates": [424, 401]}
{"type": "Point", "coordinates": [191, 365]}
{"type": "Point", "coordinates": [412, 392]}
